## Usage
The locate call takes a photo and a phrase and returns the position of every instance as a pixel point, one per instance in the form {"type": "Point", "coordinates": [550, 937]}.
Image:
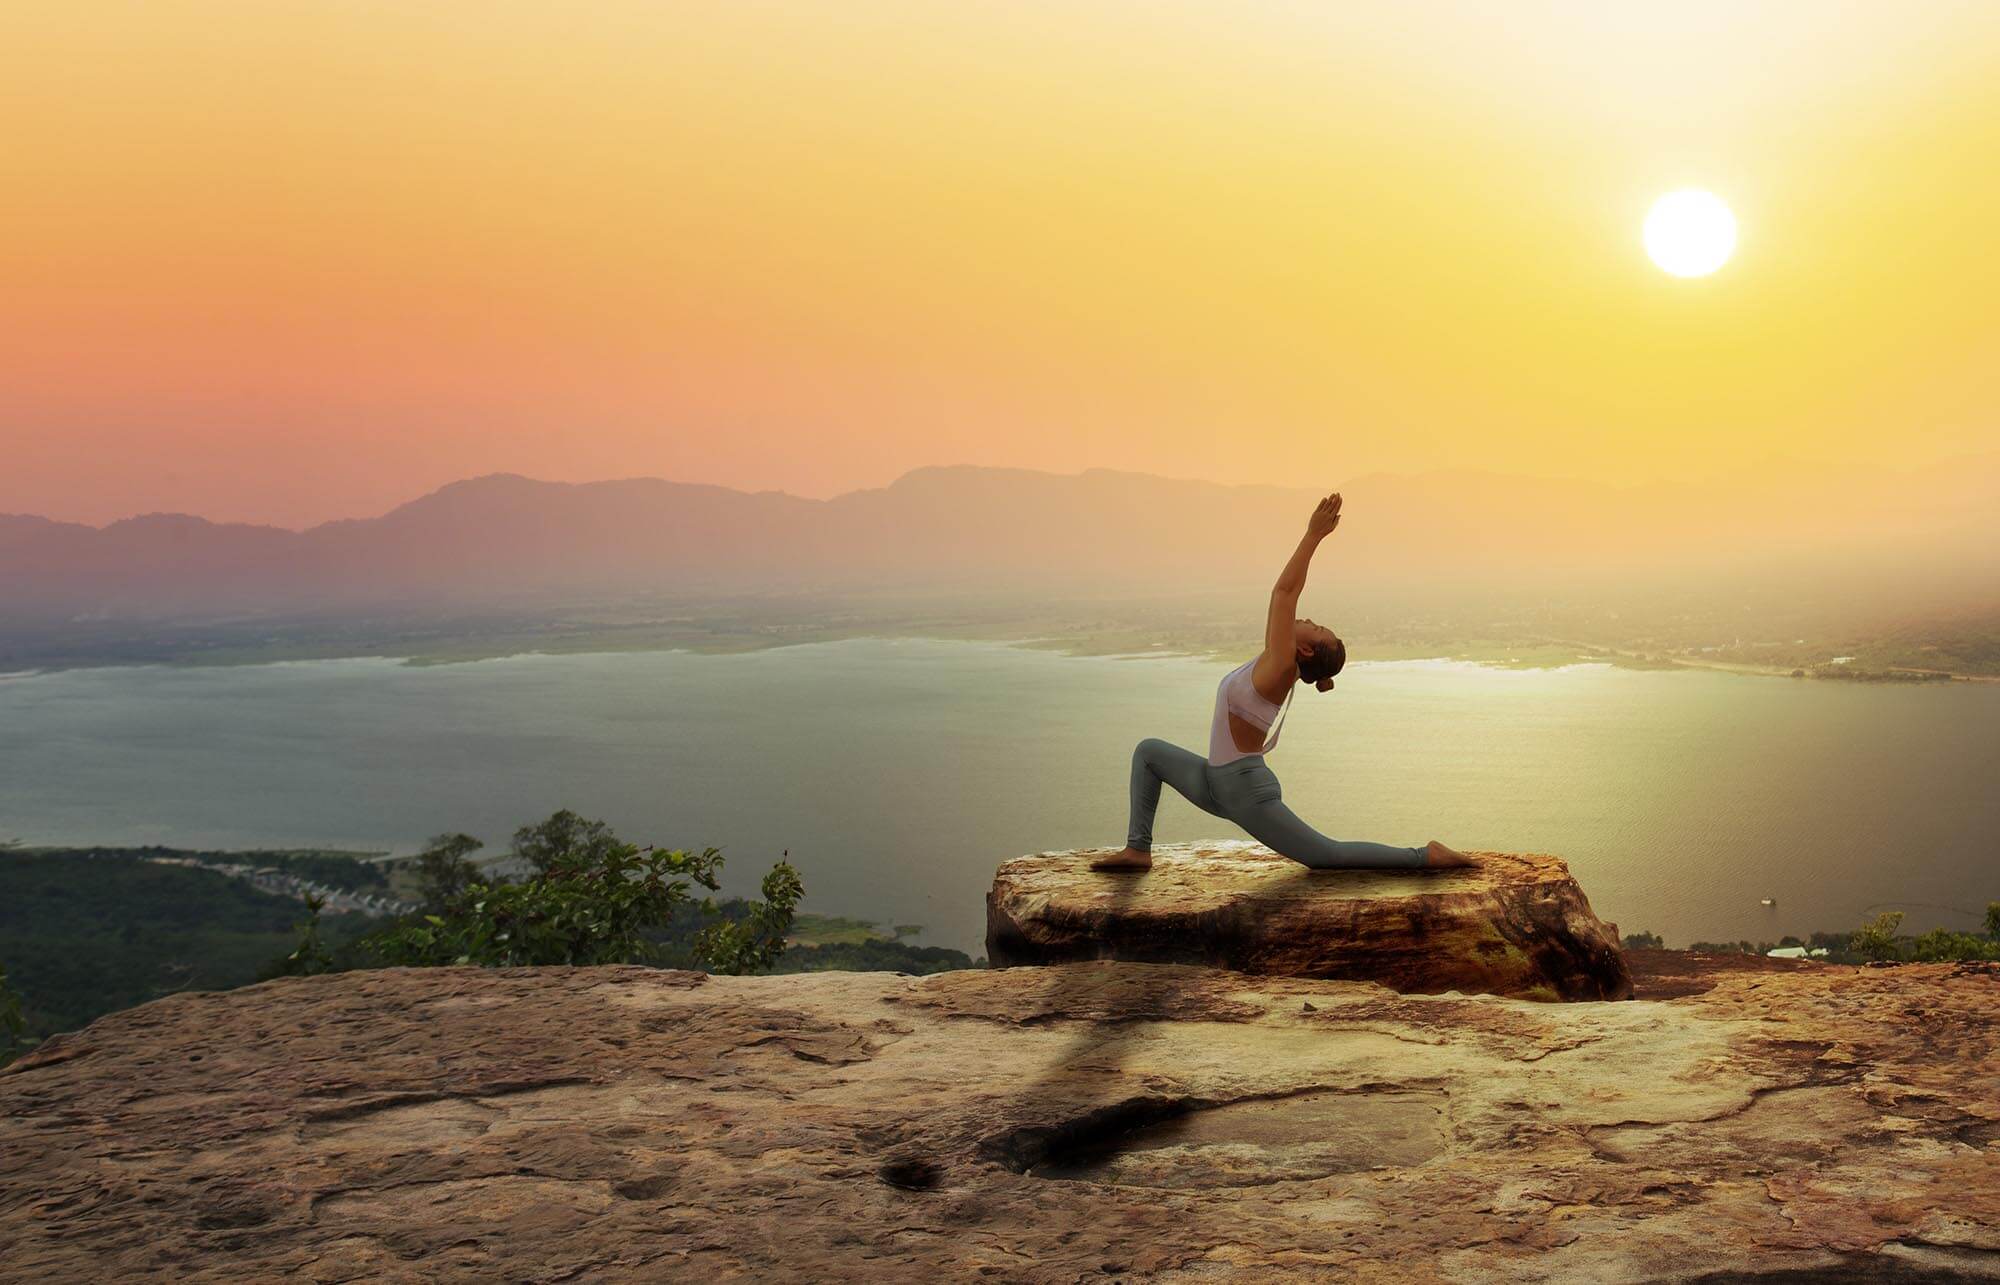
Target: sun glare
{"type": "Point", "coordinates": [1690, 233]}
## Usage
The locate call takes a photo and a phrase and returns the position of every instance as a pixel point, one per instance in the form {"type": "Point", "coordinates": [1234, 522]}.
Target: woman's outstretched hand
{"type": "Point", "coordinates": [1325, 518]}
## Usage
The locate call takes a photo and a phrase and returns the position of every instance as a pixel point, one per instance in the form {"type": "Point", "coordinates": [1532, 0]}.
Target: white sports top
{"type": "Point", "coordinates": [1239, 696]}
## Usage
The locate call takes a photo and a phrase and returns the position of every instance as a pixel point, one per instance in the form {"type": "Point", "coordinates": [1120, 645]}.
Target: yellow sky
{"type": "Point", "coordinates": [290, 261]}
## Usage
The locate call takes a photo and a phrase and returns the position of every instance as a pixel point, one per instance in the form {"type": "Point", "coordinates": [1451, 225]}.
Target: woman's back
{"type": "Point", "coordinates": [1237, 695]}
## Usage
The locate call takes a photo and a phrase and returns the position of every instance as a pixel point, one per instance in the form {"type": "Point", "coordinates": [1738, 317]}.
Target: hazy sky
{"type": "Point", "coordinates": [292, 261]}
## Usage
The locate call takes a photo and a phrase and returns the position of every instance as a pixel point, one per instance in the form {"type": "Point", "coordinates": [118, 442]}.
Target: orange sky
{"type": "Point", "coordinates": [286, 262]}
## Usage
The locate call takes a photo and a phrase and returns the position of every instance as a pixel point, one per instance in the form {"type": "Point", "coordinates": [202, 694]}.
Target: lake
{"type": "Point", "coordinates": [899, 773]}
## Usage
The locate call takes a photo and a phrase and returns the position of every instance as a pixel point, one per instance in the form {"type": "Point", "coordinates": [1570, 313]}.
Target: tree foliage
{"type": "Point", "coordinates": [591, 898]}
{"type": "Point", "coordinates": [1880, 941]}
{"type": "Point", "coordinates": [84, 935]}
{"type": "Point", "coordinates": [1876, 939]}
{"type": "Point", "coordinates": [564, 841]}
{"type": "Point", "coordinates": [444, 871]}
{"type": "Point", "coordinates": [1942, 945]}
{"type": "Point", "coordinates": [753, 943]}
{"type": "Point", "coordinates": [871, 956]}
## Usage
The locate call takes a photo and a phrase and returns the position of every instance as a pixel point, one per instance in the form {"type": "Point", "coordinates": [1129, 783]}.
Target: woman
{"type": "Point", "coordinates": [1249, 706]}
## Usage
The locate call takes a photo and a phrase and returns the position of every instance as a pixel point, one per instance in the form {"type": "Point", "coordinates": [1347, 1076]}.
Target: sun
{"type": "Point", "coordinates": [1690, 233]}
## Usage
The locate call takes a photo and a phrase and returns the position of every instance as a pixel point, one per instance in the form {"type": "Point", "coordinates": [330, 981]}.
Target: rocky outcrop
{"type": "Point", "coordinates": [1514, 925]}
{"type": "Point", "coordinates": [1076, 1122]}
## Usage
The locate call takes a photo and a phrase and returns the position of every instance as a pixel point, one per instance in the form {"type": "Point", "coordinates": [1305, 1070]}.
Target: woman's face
{"type": "Point", "coordinates": [1310, 634]}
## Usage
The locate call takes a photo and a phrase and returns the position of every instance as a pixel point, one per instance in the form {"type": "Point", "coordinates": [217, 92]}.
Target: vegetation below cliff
{"type": "Point", "coordinates": [1879, 941]}
{"type": "Point", "coordinates": [89, 931]}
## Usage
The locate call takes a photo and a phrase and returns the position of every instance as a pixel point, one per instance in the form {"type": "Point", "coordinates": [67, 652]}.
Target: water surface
{"type": "Point", "coordinates": [898, 773]}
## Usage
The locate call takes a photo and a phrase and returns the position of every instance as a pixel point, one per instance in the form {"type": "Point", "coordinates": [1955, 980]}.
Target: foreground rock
{"type": "Point", "coordinates": [1516, 925]}
{"type": "Point", "coordinates": [1070, 1123]}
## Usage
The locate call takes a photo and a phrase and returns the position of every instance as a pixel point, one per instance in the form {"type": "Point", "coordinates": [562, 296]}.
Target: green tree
{"type": "Point", "coordinates": [1877, 940]}
{"type": "Point", "coordinates": [593, 899]}
{"type": "Point", "coordinates": [1993, 919]}
{"type": "Point", "coordinates": [565, 840]}
{"type": "Point", "coordinates": [1644, 941]}
{"type": "Point", "coordinates": [444, 872]}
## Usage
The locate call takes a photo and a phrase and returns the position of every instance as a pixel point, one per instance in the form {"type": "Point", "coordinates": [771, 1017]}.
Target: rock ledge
{"type": "Point", "coordinates": [1079, 1123]}
{"type": "Point", "coordinates": [1516, 925]}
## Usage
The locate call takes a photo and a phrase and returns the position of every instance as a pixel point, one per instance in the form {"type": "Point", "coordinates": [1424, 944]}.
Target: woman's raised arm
{"type": "Point", "coordinates": [1280, 650]}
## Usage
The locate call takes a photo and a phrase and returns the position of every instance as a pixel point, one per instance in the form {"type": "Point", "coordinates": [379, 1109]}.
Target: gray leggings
{"type": "Point", "coordinates": [1245, 792]}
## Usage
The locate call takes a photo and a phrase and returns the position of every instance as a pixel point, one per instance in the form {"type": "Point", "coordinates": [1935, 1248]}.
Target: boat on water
{"type": "Point", "coordinates": [1768, 901]}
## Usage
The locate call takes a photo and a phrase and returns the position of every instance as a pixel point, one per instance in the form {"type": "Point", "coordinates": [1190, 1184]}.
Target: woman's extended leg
{"type": "Point", "coordinates": [1279, 828]}
{"type": "Point", "coordinates": [1254, 801]}
{"type": "Point", "coordinates": [1154, 761]}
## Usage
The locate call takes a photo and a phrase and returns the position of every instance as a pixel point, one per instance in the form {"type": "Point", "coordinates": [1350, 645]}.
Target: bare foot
{"type": "Point", "coordinates": [1129, 859]}
{"type": "Point", "coordinates": [1439, 857]}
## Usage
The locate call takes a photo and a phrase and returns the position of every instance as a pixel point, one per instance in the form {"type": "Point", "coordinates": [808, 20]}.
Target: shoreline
{"type": "Point", "coordinates": [1540, 653]}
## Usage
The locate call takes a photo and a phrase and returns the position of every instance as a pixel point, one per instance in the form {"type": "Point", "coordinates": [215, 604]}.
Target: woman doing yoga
{"type": "Point", "coordinates": [1233, 782]}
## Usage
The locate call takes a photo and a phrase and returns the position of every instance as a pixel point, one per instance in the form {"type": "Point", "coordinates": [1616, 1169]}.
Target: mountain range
{"type": "Point", "coordinates": [504, 538]}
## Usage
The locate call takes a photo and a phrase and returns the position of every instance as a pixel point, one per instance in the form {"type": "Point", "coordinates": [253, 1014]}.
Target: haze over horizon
{"type": "Point", "coordinates": [289, 264]}
{"type": "Point", "coordinates": [1879, 543]}
{"type": "Point", "coordinates": [1965, 483]}
{"type": "Point", "coordinates": [1744, 477]}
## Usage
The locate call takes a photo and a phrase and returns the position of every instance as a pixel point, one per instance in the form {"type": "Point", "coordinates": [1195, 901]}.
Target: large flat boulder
{"type": "Point", "coordinates": [1517, 924]}
{"type": "Point", "coordinates": [1085, 1122]}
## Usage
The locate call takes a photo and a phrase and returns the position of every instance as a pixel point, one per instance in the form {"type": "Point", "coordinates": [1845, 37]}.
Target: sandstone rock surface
{"type": "Point", "coordinates": [1080, 1122]}
{"type": "Point", "coordinates": [1515, 925]}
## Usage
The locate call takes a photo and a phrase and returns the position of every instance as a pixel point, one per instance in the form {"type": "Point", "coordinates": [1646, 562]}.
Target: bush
{"type": "Point", "coordinates": [1877, 940]}
{"type": "Point", "coordinates": [310, 957]}
{"type": "Point", "coordinates": [754, 942]}
{"type": "Point", "coordinates": [1644, 941]}
{"type": "Point", "coordinates": [1942, 945]}
{"type": "Point", "coordinates": [592, 899]}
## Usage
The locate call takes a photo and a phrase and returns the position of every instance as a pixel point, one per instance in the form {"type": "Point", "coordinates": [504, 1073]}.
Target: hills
{"type": "Point", "coordinates": [1781, 536]}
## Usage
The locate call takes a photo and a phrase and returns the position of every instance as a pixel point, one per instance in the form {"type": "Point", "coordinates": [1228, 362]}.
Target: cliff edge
{"type": "Point", "coordinates": [1516, 924]}
{"type": "Point", "coordinates": [1075, 1122]}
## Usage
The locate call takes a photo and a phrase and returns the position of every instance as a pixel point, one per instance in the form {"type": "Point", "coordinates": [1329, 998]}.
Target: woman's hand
{"type": "Point", "coordinates": [1279, 649]}
{"type": "Point", "coordinates": [1325, 518]}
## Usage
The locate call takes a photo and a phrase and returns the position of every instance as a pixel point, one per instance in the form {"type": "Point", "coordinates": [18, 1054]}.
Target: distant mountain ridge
{"type": "Point", "coordinates": [504, 536]}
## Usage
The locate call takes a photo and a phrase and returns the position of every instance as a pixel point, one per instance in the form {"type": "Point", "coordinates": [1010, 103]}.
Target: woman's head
{"type": "Point", "coordinates": [1321, 653]}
